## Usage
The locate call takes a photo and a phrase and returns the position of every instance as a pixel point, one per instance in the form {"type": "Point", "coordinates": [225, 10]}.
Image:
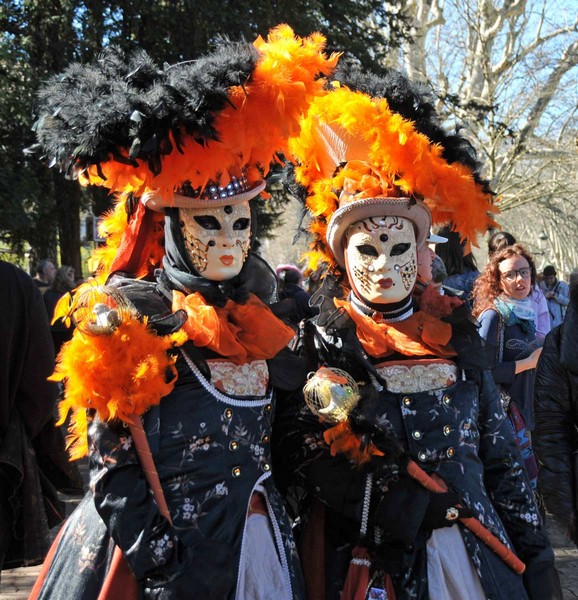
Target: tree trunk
{"type": "Point", "coordinates": [68, 199]}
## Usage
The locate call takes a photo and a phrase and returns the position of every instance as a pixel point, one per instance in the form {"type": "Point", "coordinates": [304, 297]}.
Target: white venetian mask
{"type": "Point", "coordinates": [217, 239]}
{"type": "Point", "coordinates": [380, 258]}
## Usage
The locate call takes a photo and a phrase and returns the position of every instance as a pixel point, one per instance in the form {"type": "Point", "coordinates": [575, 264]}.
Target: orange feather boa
{"type": "Point", "coordinates": [393, 146]}
{"type": "Point", "coordinates": [119, 375]}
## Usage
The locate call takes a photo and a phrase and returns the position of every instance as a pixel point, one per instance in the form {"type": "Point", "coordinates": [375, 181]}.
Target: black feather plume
{"type": "Point", "coordinates": [129, 106]}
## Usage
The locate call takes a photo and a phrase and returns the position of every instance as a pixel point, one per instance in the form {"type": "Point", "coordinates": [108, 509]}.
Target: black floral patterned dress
{"type": "Point", "coordinates": [457, 430]}
{"type": "Point", "coordinates": [211, 448]}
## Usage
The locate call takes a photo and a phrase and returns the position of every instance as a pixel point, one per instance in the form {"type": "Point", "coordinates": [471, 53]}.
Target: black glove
{"type": "Point", "coordinates": [442, 511]}
{"type": "Point", "coordinates": [362, 420]}
{"type": "Point", "coordinates": [542, 582]}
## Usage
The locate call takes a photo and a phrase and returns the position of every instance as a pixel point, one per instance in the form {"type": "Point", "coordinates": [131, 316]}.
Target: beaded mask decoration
{"type": "Point", "coordinates": [217, 239]}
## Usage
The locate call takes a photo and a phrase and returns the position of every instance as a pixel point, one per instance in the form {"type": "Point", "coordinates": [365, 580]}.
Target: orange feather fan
{"type": "Point", "coordinates": [114, 363]}
{"type": "Point", "coordinates": [372, 132]}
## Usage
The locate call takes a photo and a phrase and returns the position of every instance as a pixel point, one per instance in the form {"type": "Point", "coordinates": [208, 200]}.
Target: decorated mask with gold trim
{"type": "Point", "coordinates": [381, 258]}
{"type": "Point", "coordinates": [217, 239]}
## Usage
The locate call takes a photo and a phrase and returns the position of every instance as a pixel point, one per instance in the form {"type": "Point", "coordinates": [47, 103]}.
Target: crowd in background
{"type": "Point", "coordinates": [53, 283]}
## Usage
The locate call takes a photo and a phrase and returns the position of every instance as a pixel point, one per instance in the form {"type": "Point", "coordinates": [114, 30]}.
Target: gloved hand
{"type": "Point", "coordinates": [442, 511]}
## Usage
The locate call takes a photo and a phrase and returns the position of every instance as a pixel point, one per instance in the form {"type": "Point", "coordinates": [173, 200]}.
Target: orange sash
{"type": "Point", "coordinates": [239, 332]}
{"type": "Point", "coordinates": [419, 335]}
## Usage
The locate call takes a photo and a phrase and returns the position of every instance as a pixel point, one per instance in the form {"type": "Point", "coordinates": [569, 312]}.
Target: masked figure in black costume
{"type": "Point", "coordinates": [178, 355]}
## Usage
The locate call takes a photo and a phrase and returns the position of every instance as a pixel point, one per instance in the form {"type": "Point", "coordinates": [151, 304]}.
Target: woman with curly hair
{"type": "Point", "coordinates": [501, 240]}
{"type": "Point", "coordinates": [504, 308]}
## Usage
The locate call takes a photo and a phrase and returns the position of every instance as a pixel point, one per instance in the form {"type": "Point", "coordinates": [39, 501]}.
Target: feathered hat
{"type": "Point", "coordinates": [197, 133]}
{"type": "Point", "coordinates": [374, 147]}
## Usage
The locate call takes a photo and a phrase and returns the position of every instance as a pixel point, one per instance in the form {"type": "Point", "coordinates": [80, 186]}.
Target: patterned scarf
{"type": "Point", "coordinates": [517, 312]}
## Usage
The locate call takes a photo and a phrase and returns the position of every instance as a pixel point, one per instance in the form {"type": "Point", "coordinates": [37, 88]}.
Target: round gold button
{"type": "Point", "coordinates": [236, 472]}
{"type": "Point", "coordinates": [406, 400]}
{"type": "Point", "coordinates": [265, 439]}
{"type": "Point", "coordinates": [422, 456]}
{"type": "Point", "coordinates": [228, 413]}
{"type": "Point", "coordinates": [450, 452]}
{"type": "Point", "coordinates": [417, 435]}
{"type": "Point", "coordinates": [447, 429]}
{"type": "Point", "coordinates": [267, 408]}
{"type": "Point", "coordinates": [266, 467]}
{"type": "Point", "coordinates": [234, 445]}
{"type": "Point", "coordinates": [447, 400]}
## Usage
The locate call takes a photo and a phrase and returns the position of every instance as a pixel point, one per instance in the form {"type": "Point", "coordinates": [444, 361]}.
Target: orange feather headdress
{"type": "Point", "coordinates": [197, 133]}
{"type": "Point", "coordinates": [354, 149]}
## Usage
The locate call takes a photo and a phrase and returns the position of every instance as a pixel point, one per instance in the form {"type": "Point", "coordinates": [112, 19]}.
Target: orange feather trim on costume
{"type": "Point", "coordinates": [393, 146]}
{"type": "Point", "coordinates": [119, 375]}
{"type": "Point", "coordinates": [262, 115]}
{"type": "Point", "coordinates": [341, 440]}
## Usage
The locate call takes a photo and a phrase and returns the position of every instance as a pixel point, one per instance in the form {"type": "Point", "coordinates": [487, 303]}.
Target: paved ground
{"type": "Point", "coordinates": [566, 560]}
{"type": "Point", "coordinates": [17, 583]}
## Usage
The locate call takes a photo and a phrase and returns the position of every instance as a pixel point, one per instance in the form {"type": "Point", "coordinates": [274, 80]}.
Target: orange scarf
{"type": "Point", "coordinates": [419, 335]}
{"type": "Point", "coordinates": [239, 332]}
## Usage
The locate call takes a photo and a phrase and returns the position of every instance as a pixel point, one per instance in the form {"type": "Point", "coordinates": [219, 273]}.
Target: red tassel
{"type": "Point", "coordinates": [358, 575]}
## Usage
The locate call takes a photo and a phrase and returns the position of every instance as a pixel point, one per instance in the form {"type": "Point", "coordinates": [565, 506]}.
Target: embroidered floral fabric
{"type": "Point", "coordinates": [211, 451]}
{"type": "Point", "coordinates": [459, 432]}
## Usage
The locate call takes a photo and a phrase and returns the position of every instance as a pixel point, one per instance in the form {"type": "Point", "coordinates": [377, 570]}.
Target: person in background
{"type": "Point", "coordinates": [429, 269]}
{"type": "Point", "coordinates": [501, 240]}
{"type": "Point", "coordinates": [313, 280]}
{"type": "Point", "coordinates": [33, 461]}
{"type": "Point", "coordinates": [439, 273]}
{"type": "Point", "coordinates": [63, 283]}
{"type": "Point", "coordinates": [557, 295]}
{"type": "Point", "coordinates": [506, 314]}
{"type": "Point", "coordinates": [461, 268]}
{"type": "Point", "coordinates": [45, 273]}
{"type": "Point", "coordinates": [291, 278]}
{"type": "Point", "coordinates": [556, 406]}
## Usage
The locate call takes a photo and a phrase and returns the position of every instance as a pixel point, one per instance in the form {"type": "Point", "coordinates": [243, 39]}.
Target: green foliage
{"type": "Point", "coordinates": [41, 37]}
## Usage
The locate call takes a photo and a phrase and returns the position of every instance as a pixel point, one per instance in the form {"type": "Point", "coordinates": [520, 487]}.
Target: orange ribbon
{"type": "Point", "coordinates": [239, 332]}
{"type": "Point", "coordinates": [419, 335]}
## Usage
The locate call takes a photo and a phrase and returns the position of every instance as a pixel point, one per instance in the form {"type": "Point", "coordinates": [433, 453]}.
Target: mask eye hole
{"type": "Point", "coordinates": [399, 249]}
{"type": "Point", "coordinates": [208, 222]}
{"type": "Point", "coordinates": [241, 224]}
{"type": "Point", "coordinates": [367, 250]}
